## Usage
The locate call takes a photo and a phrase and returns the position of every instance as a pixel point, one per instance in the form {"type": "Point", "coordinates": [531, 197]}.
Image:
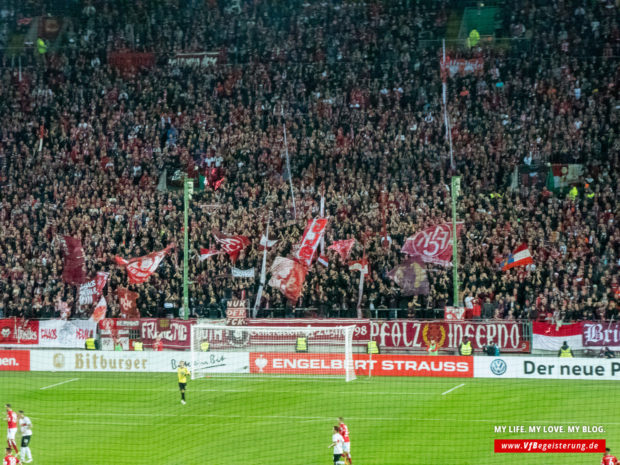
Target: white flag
{"type": "Point", "coordinates": [238, 273]}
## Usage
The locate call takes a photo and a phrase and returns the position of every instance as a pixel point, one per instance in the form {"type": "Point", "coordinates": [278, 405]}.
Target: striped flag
{"type": "Point", "coordinates": [323, 260]}
{"type": "Point", "coordinates": [206, 253]}
{"type": "Point", "coordinates": [520, 257]}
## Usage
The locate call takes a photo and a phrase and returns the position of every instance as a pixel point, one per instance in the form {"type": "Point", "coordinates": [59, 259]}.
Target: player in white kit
{"type": "Point", "coordinates": [25, 426]}
{"type": "Point", "coordinates": [337, 443]}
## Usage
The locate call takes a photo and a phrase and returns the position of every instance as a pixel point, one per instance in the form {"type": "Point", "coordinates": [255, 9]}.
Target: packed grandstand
{"type": "Point", "coordinates": [105, 106]}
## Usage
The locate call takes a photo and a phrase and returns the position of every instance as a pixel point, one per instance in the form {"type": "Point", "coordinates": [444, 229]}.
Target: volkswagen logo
{"type": "Point", "coordinates": [498, 367]}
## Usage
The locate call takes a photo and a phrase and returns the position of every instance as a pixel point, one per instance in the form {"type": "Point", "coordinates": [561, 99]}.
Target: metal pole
{"type": "Point", "coordinates": [288, 164]}
{"type": "Point", "coordinates": [185, 313]}
{"type": "Point", "coordinates": [456, 187]}
{"type": "Point", "coordinates": [263, 271]}
{"type": "Point", "coordinates": [446, 119]}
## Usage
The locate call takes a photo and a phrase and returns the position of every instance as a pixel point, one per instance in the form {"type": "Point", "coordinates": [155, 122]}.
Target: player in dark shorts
{"type": "Point", "coordinates": [182, 373]}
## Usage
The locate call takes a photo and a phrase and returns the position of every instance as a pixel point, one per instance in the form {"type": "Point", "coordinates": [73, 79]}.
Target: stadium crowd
{"type": "Point", "coordinates": [358, 85]}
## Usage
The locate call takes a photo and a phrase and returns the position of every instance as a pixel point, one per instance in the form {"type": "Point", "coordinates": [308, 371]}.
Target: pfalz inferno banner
{"type": "Point", "coordinates": [510, 336]}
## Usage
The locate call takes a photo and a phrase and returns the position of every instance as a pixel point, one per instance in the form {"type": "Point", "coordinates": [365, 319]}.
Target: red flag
{"type": "Point", "coordinates": [433, 245]}
{"type": "Point", "coordinates": [323, 260]}
{"type": "Point", "coordinates": [232, 245]}
{"type": "Point", "coordinates": [206, 253]}
{"type": "Point", "coordinates": [139, 269]}
{"type": "Point", "coordinates": [359, 265]}
{"type": "Point", "coordinates": [127, 301]}
{"type": "Point", "coordinates": [343, 248]}
{"type": "Point", "coordinates": [99, 311]}
{"type": "Point", "coordinates": [310, 240]}
{"type": "Point", "coordinates": [521, 256]}
{"type": "Point", "coordinates": [74, 271]}
{"type": "Point", "coordinates": [288, 276]}
{"type": "Point", "coordinates": [266, 244]}
{"type": "Point", "coordinates": [90, 291]}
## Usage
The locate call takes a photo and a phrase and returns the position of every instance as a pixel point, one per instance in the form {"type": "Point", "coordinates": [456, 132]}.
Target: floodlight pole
{"type": "Point", "coordinates": [185, 312]}
{"type": "Point", "coordinates": [456, 187]}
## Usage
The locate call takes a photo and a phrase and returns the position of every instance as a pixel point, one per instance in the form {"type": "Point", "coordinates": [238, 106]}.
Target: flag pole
{"type": "Point", "coordinates": [263, 271]}
{"type": "Point", "coordinates": [456, 187]}
{"type": "Point", "coordinates": [288, 163]}
{"type": "Point", "coordinates": [444, 92]}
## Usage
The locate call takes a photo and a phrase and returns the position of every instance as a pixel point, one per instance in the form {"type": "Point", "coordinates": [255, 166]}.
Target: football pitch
{"type": "Point", "coordinates": [120, 418]}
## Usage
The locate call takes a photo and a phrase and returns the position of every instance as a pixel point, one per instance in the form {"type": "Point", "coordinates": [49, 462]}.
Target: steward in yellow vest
{"type": "Point", "coordinates": [465, 347]}
{"type": "Point", "coordinates": [565, 351]}
{"type": "Point", "coordinates": [373, 348]}
{"type": "Point", "coordinates": [301, 345]}
{"type": "Point", "coordinates": [90, 344]}
{"type": "Point", "coordinates": [204, 346]}
{"type": "Point", "coordinates": [138, 346]}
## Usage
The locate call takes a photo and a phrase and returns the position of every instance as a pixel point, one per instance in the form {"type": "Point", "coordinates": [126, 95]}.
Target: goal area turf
{"type": "Point", "coordinates": [82, 418]}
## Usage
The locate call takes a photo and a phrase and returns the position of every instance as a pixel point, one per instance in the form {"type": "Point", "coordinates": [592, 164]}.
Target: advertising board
{"type": "Point", "coordinates": [546, 368]}
{"type": "Point", "coordinates": [14, 360]}
{"type": "Point", "coordinates": [135, 362]}
{"type": "Point", "coordinates": [378, 365]}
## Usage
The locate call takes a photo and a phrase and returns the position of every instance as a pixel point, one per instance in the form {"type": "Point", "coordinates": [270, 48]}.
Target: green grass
{"type": "Point", "coordinates": [118, 418]}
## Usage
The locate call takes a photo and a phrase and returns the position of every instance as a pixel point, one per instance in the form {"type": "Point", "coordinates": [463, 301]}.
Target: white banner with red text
{"type": "Point", "coordinates": [65, 333]}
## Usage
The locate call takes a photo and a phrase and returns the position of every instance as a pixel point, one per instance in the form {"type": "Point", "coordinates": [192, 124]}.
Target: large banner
{"type": "Point", "coordinates": [16, 331]}
{"type": "Point", "coordinates": [174, 333]}
{"type": "Point", "coordinates": [601, 334]}
{"type": "Point", "coordinates": [136, 362]}
{"type": "Point", "coordinates": [546, 336]}
{"type": "Point", "coordinates": [65, 333]}
{"type": "Point", "coordinates": [510, 336]}
{"type": "Point", "coordinates": [461, 66]}
{"type": "Point", "coordinates": [14, 360]}
{"type": "Point", "coordinates": [195, 59]}
{"type": "Point", "coordinates": [546, 368]}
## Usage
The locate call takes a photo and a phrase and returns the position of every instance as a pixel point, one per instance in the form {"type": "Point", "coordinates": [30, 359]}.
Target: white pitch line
{"type": "Point", "coordinates": [58, 384]}
{"type": "Point", "coordinates": [270, 391]}
{"type": "Point", "coordinates": [454, 388]}
{"type": "Point", "coordinates": [41, 416]}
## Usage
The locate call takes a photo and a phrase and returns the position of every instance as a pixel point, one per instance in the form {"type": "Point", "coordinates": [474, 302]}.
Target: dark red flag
{"type": "Point", "coordinates": [74, 271]}
{"type": "Point", "coordinates": [232, 245]}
